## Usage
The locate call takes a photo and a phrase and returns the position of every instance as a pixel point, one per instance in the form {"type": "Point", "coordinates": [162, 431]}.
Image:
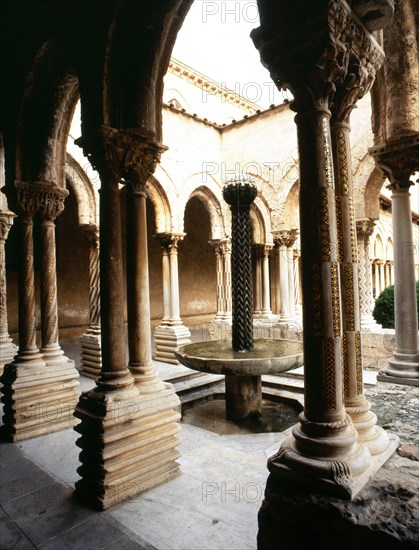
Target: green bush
{"type": "Point", "coordinates": [384, 307]}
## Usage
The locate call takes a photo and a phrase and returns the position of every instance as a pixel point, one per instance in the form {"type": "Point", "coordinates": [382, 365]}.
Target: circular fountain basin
{"type": "Point", "coordinates": [266, 357]}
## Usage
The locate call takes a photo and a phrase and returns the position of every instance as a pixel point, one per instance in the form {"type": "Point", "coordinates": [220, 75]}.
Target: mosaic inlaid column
{"type": "Point", "coordinates": [51, 206]}
{"type": "Point", "coordinates": [398, 160]}
{"type": "Point", "coordinates": [40, 387]}
{"type": "Point", "coordinates": [364, 420]}
{"type": "Point", "coordinates": [91, 355]}
{"type": "Point", "coordinates": [7, 348]}
{"type": "Point", "coordinates": [364, 230]}
{"type": "Point", "coordinates": [323, 450]}
{"type": "Point", "coordinates": [170, 336]}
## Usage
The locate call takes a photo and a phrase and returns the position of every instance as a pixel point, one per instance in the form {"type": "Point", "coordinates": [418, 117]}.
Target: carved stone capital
{"type": "Point", "coordinates": [307, 48]}
{"type": "Point", "coordinates": [285, 238]}
{"type": "Point", "coordinates": [118, 154]}
{"type": "Point", "coordinates": [169, 241]}
{"type": "Point", "coordinates": [6, 222]}
{"type": "Point", "coordinates": [45, 199]}
{"type": "Point", "coordinates": [221, 246]}
{"type": "Point", "coordinates": [364, 228]}
{"type": "Point", "coordinates": [397, 160]}
{"type": "Point", "coordinates": [92, 235]}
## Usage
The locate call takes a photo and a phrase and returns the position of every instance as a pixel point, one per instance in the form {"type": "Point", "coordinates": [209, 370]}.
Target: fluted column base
{"type": "Point", "coordinates": [91, 353]}
{"type": "Point", "coordinates": [329, 459]}
{"type": "Point", "coordinates": [128, 444]}
{"type": "Point", "coordinates": [403, 368]}
{"type": "Point", "coordinates": [168, 339]}
{"type": "Point", "coordinates": [38, 399]}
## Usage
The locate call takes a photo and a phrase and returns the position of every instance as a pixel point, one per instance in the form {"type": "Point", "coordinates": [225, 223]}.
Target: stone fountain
{"type": "Point", "coordinates": [244, 360]}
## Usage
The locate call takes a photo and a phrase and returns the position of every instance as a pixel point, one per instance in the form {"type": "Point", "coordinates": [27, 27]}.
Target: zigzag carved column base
{"type": "Point", "coordinates": [167, 340]}
{"type": "Point", "coordinates": [91, 353]}
{"type": "Point", "coordinates": [128, 444]}
{"type": "Point", "coordinates": [38, 399]}
{"type": "Point", "coordinates": [338, 469]}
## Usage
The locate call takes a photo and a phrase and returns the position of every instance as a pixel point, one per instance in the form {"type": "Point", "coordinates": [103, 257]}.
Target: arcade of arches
{"type": "Point", "coordinates": [332, 225]}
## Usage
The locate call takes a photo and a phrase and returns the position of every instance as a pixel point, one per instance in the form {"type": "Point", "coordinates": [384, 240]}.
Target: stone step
{"type": "Point", "coordinates": [283, 395]}
{"type": "Point", "coordinates": [200, 396]}
{"type": "Point", "coordinates": [200, 381]}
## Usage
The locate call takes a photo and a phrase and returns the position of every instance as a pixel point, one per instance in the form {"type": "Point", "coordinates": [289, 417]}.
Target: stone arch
{"type": "Point", "coordinates": [292, 207]}
{"type": "Point", "coordinates": [162, 210]}
{"type": "Point", "coordinates": [389, 249]}
{"type": "Point", "coordinates": [83, 190]}
{"type": "Point", "coordinates": [372, 194]}
{"type": "Point", "coordinates": [257, 225]}
{"type": "Point", "coordinates": [262, 207]}
{"type": "Point", "coordinates": [378, 247]}
{"type": "Point", "coordinates": [213, 207]}
{"type": "Point", "coordinates": [172, 95]}
{"type": "Point", "coordinates": [45, 116]}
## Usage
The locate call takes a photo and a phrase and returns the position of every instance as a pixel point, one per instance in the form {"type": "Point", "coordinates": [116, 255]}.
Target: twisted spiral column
{"type": "Point", "coordinates": [239, 195]}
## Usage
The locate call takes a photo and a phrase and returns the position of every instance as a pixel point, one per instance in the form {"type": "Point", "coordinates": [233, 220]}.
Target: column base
{"type": "Point", "coordinates": [269, 316]}
{"type": "Point", "coordinates": [343, 477]}
{"type": "Point", "coordinates": [128, 443]}
{"type": "Point", "coordinates": [167, 339]}
{"type": "Point", "coordinates": [369, 324]}
{"type": "Point", "coordinates": [38, 399]}
{"type": "Point", "coordinates": [403, 368]}
{"type": "Point", "coordinates": [7, 352]}
{"type": "Point", "coordinates": [365, 422]}
{"type": "Point", "coordinates": [91, 354]}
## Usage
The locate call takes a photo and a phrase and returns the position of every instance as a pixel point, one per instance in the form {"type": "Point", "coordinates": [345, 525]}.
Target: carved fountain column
{"type": "Point", "coordinates": [398, 160]}
{"type": "Point", "coordinates": [91, 355]}
{"type": "Point", "coordinates": [364, 230]}
{"type": "Point", "coordinates": [40, 386]}
{"type": "Point", "coordinates": [7, 348]}
{"type": "Point", "coordinates": [323, 449]}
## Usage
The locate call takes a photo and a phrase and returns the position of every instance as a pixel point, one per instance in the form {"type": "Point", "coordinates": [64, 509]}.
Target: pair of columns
{"type": "Point", "coordinates": [40, 385]}
{"type": "Point", "coordinates": [380, 276]}
{"type": "Point", "coordinates": [288, 274]}
{"type": "Point", "coordinates": [129, 419]}
{"type": "Point", "coordinates": [171, 333]}
{"type": "Point", "coordinates": [398, 160]}
{"type": "Point", "coordinates": [336, 444]}
{"type": "Point", "coordinates": [222, 248]}
{"type": "Point", "coordinates": [262, 288]}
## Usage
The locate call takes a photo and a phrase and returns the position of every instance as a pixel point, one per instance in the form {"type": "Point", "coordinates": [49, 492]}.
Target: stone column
{"type": "Point", "coordinates": [51, 206]}
{"type": "Point", "coordinates": [364, 230]}
{"type": "Point", "coordinates": [282, 238]}
{"type": "Point", "coordinates": [7, 348]}
{"type": "Point", "coordinates": [398, 160]}
{"type": "Point", "coordinates": [297, 276]}
{"type": "Point", "coordinates": [173, 334]}
{"type": "Point", "coordinates": [257, 306]}
{"type": "Point", "coordinates": [376, 264]}
{"type": "Point", "coordinates": [291, 282]}
{"type": "Point", "coordinates": [355, 85]}
{"type": "Point", "coordinates": [219, 265]}
{"type": "Point", "coordinates": [40, 388]}
{"type": "Point", "coordinates": [91, 355]}
{"type": "Point", "coordinates": [323, 450]}
{"type": "Point", "coordinates": [166, 285]}
{"type": "Point", "coordinates": [228, 300]}
{"type": "Point", "coordinates": [266, 312]}
{"type": "Point", "coordinates": [382, 276]}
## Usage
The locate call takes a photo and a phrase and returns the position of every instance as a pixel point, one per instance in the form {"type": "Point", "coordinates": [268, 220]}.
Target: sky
{"type": "Point", "coordinates": [215, 41]}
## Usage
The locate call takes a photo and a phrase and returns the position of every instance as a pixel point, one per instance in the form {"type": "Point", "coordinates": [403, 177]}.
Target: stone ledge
{"type": "Point", "coordinates": [383, 515]}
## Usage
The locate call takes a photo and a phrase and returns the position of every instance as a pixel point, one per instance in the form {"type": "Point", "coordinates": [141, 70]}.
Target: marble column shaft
{"type": "Point", "coordinates": [364, 230]}
{"type": "Point", "coordinates": [266, 287]}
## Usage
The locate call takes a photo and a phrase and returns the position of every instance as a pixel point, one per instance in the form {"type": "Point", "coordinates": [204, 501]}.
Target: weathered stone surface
{"type": "Point", "coordinates": [397, 409]}
{"type": "Point", "coordinates": [384, 514]}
